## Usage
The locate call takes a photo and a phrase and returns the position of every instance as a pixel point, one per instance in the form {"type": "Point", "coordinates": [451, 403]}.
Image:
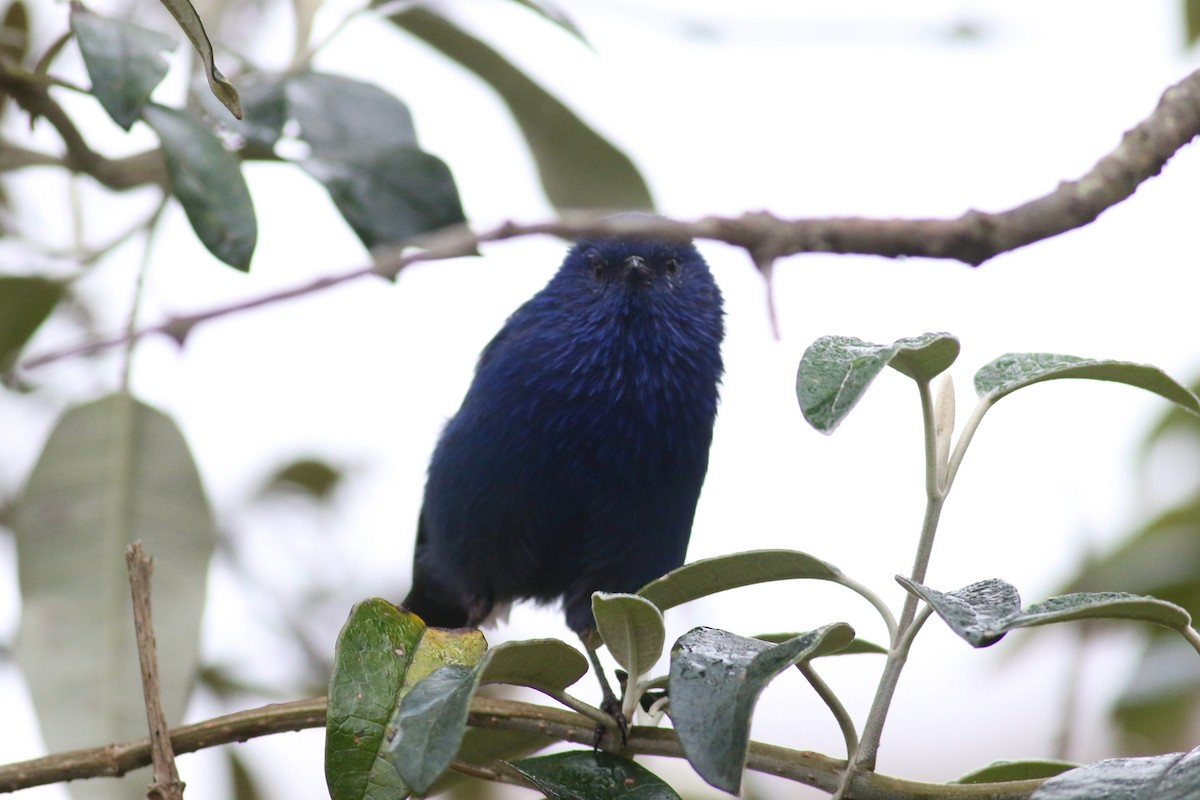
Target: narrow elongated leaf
{"type": "Point", "coordinates": [185, 14]}
{"type": "Point", "coordinates": [1031, 769]}
{"type": "Point", "coordinates": [207, 180]}
{"type": "Point", "coordinates": [578, 167]}
{"type": "Point", "coordinates": [113, 471]}
{"type": "Point", "coordinates": [14, 46]}
{"type": "Point", "coordinates": [835, 371]}
{"type": "Point", "coordinates": [555, 14]}
{"type": "Point", "coordinates": [1174, 776]}
{"type": "Point", "coordinates": [123, 60]}
{"type": "Point", "coordinates": [25, 303]}
{"type": "Point", "coordinates": [983, 612]}
{"type": "Point", "coordinates": [1016, 370]}
{"type": "Point", "coordinates": [716, 678]}
{"type": "Point", "coordinates": [593, 775]}
{"type": "Point", "coordinates": [712, 575]}
{"type": "Point", "coordinates": [632, 628]}
{"type": "Point", "coordinates": [390, 196]}
{"type": "Point", "coordinates": [381, 652]}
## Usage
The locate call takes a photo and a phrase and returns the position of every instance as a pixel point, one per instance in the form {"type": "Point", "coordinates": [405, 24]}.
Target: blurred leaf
{"type": "Point", "coordinates": [577, 166]}
{"type": "Point", "coordinates": [307, 476]}
{"type": "Point", "coordinates": [392, 197]}
{"type": "Point", "coordinates": [716, 678]}
{"type": "Point", "coordinates": [244, 786]}
{"type": "Point", "coordinates": [264, 114]}
{"type": "Point", "coordinates": [835, 371]}
{"type": "Point", "coordinates": [1175, 776]}
{"type": "Point", "coordinates": [983, 612]}
{"type": "Point", "coordinates": [543, 664]}
{"type": "Point", "coordinates": [1002, 771]}
{"type": "Point", "coordinates": [381, 652]}
{"type": "Point", "coordinates": [593, 775]}
{"type": "Point", "coordinates": [712, 575]}
{"type": "Point", "coordinates": [1191, 22]}
{"type": "Point", "coordinates": [1157, 708]}
{"type": "Point", "coordinates": [348, 120]}
{"type": "Point", "coordinates": [25, 303]}
{"type": "Point", "coordinates": [555, 14]}
{"type": "Point", "coordinates": [185, 14]}
{"type": "Point", "coordinates": [14, 32]}
{"type": "Point", "coordinates": [485, 745]}
{"type": "Point", "coordinates": [207, 180]}
{"type": "Point", "coordinates": [632, 628]}
{"type": "Point", "coordinates": [112, 472]}
{"type": "Point", "coordinates": [1016, 370]}
{"type": "Point", "coordinates": [124, 61]}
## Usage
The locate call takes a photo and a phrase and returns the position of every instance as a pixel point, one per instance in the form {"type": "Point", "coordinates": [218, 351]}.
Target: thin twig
{"type": "Point", "coordinates": [166, 784]}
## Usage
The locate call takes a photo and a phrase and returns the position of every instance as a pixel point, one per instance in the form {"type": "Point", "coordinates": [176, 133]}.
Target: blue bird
{"type": "Point", "coordinates": [576, 460]}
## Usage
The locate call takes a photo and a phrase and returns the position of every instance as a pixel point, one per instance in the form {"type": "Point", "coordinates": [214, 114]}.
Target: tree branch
{"type": "Point", "coordinates": [166, 784]}
{"type": "Point", "coordinates": [805, 767]}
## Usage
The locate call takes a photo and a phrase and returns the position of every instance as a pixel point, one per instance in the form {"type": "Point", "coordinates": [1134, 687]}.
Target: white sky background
{"type": "Point", "coordinates": [804, 109]}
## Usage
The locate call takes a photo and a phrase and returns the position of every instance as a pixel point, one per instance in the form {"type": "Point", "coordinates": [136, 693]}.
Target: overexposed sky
{"type": "Point", "coordinates": [804, 109]}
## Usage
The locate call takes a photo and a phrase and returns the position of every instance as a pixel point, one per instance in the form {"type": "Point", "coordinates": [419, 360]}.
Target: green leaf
{"type": "Point", "coordinates": [983, 612]}
{"type": "Point", "coordinates": [113, 471]}
{"type": "Point", "coordinates": [381, 652]}
{"type": "Point", "coordinates": [244, 787]}
{"type": "Point", "coordinates": [577, 166]}
{"type": "Point", "coordinates": [185, 14]}
{"type": "Point", "coordinates": [548, 665]}
{"type": "Point", "coordinates": [835, 371]}
{"type": "Point", "coordinates": [25, 303]}
{"type": "Point", "coordinates": [391, 196]}
{"type": "Point", "coordinates": [1191, 22]}
{"type": "Point", "coordinates": [1016, 370]}
{"type": "Point", "coordinates": [306, 476]}
{"type": "Point", "coordinates": [1158, 704]}
{"type": "Point", "coordinates": [856, 647]}
{"type": "Point", "coordinates": [124, 61]}
{"type": "Point", "coordinates": [430, 725]}
{"type": "Point", "coordinates": [431, 721]}
{"type": "Point", "coordinates": [484, 745]}
{"type": "Point", "coordinates": [1003, 771]}
{"type": "Point", "coordinates": [593, 775]}
{"type": "Point", "coordinates": [1174, 776]}
{"type": "Point", "coordinates": [208, 182]}
{"type": "Point", "coordinates": [632, 628]}
{"type": "Point", "coordinates": [712, 575]}
{"type": "Point", "coordinates": [716, 678]}
{"type": "Point", "coordinates": [343, 119]}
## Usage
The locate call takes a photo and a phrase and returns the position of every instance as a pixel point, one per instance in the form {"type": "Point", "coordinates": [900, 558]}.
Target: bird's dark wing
{"type": "Point", "coordinates": [428, 599]}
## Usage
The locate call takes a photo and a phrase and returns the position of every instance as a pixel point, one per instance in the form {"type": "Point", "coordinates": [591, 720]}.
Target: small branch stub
{"type": "Point", "coordinates": [166, 785]}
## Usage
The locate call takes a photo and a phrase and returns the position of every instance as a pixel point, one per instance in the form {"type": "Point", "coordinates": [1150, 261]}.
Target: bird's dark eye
{"type": "Point", "coordinates": [672, 265]}
{"type": "Point", "coordinates": [597, 265]}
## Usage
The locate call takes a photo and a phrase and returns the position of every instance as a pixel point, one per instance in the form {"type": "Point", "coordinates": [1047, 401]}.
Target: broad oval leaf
{"type": "Point", "coordinates": [1174, 776]}
{"type": "Point", "coordinates": [835, 371]}
{"type": "Point", "coordinates": [983, 612]}
{"type": "Point", "coordinates": [430, 724]}
{"type": "Point", "coordinates": [371, 658]}
{"type": "Point", "coordinates": [392, 195]}
{"type": "Point", "coordinates": [113, 471]}
{"type": "Point", "coordinates": [25, 303]}
{"type": "Point", "coordinates": [593, 775]}
{"type": "Point", "coordinates": [543, 664]}
{"type": "Point", "coordinates": [343, 119]}
{"type": "Point", "coordinates": [712, 575]}
{"type": "Point", "coordinates": [578, 167]}
{"type": "Point", "coordinates": [1013, 371]}
{"type": "Point", "coordinates": [189, 21]}
{"type": "Point", "coordinates": [1025, 770]}
{"type": "Point", "coordinates": [632, 628]}
{"type": "Point", "coordinates": [123, 60]}
{"type": "Point", "coordinates": [207, 180]}
{"type": "Point", "coordinates": [715, 680]}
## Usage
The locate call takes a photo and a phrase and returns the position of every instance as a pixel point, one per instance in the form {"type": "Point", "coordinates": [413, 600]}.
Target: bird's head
{"type": "Point", "coordinates": [627, 265]}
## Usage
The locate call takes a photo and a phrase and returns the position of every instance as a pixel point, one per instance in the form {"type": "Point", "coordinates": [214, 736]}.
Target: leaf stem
{"type": "Point", "coordinates": [845, 723]}
{"type": "Point", "coordinates": [889, 619]}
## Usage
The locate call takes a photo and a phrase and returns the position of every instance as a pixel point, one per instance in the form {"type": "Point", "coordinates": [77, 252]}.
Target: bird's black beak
{"type": "Point", "coordinates": [636, 269]}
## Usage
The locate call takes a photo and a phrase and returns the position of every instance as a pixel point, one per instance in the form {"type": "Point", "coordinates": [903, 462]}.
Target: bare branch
{"type": "Point", "coordinates": [166, 784]}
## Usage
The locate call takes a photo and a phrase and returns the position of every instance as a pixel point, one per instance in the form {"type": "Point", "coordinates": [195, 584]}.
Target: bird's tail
{"type": "Point", "coordinates": [434, 604]}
